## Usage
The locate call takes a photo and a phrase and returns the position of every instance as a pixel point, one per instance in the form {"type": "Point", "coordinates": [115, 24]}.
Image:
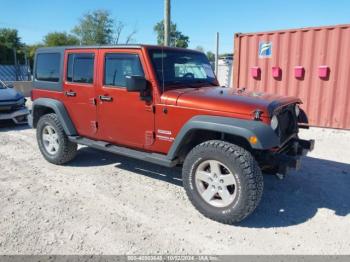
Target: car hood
{"type": "Point", "coordinates": [226, 100]}
{"type": "Point", "coordinates": [9, 94]}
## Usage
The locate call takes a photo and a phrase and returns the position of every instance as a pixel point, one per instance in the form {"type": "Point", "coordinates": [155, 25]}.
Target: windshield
{"type": "Point", "coordinates": [181, 68]}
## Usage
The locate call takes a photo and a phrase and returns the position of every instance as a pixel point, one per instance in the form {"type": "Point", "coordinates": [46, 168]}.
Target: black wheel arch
{"type": "Point", "coordinates": [238, 131]}
{"type": "Point", "coordinates": [43, 106]}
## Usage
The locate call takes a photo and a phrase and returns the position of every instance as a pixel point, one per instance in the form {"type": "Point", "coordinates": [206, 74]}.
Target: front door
{"type": "Point", "coordinates": [123, 118]}
{"type": "Point", "coordinates": [79, 90]}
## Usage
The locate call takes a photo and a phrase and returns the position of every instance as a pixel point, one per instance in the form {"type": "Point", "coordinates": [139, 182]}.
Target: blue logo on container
{"type": "Point", "coordinates": [265, 49]}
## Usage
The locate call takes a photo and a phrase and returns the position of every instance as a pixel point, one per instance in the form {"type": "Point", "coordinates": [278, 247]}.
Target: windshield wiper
{"type": "Point", "coordinates": [173, 82]}
{"type": "Point", "coordinates": [192, 84]}
{"type": "Point", "coordinates": [205, 82]}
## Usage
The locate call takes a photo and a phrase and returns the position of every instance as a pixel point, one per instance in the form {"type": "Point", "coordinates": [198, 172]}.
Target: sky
{"type": "Point", "coordinates": [199, 19]}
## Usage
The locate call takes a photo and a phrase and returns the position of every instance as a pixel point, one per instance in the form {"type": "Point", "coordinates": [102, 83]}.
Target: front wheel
{"type": "Point", "coordinates": [53, 141]}
{"type": "Point", "coordinates": [223, 181]}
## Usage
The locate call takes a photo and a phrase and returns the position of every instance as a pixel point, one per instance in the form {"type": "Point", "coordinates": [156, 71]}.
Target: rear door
{"type": "Point", "coordinates": [123, 118]}
{"type": "Point", "coordinates": [79, 89]}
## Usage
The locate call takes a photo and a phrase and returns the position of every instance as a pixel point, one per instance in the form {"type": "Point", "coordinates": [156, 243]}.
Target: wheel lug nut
{"type": "Point", "coordinates": [213, 186]}
{"type": "Point", "coordinates": [219, 188]}
{"type": "Point", "coordinates": [221, 181]}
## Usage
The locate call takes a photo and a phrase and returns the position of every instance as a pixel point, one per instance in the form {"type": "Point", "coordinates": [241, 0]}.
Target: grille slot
{"type": "Point", "coordinates": [287, 123]}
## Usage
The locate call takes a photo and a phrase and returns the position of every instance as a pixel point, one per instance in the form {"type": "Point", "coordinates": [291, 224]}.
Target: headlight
{"type": "Point", "coordinates": [274, 122]}
{"type": "Point", "coordinates": [297, 110]}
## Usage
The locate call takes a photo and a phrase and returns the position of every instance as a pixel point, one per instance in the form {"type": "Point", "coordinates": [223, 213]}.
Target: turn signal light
{"type": "Point", "coordinates": [253, 140]}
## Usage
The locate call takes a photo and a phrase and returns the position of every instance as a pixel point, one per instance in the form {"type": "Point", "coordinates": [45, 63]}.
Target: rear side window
{"type": "Point", "coordinates": [48, 67]}
{"type": "Point", "coordinates": [80, 68]}
{"type": "Point", "coordinates": [118, 66]}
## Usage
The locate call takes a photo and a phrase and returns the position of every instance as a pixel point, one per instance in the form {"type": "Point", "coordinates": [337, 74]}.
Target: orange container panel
{"type": "Point", "coordinates": [310, 63]}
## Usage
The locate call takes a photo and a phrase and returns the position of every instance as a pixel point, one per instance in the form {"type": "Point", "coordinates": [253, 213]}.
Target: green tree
{"type": "Point", "coordinates": [9, 38]}
{"type": "Point", "coordinates": [211, 56]}
{"type": "Point", "coordinates": [200, 48]}
{"type": "Point", "coordinates": [177, 39]}
{"type": "Point", "coordinates": [30, 52]}
{"type": "Point", "coordinates": [95, 27]}
{"type": "Point", "coordinates": [60, 39]}
{"type": "Point", "coordinates": [10, 42]}
{"type": "Point", "coordinates": [98, 27]}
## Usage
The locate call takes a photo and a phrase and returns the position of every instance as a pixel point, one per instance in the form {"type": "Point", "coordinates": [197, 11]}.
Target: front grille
{"type": "Point", "coordinates": [287, 123]}
{"type": "Point", "coordinates": [9, 109]}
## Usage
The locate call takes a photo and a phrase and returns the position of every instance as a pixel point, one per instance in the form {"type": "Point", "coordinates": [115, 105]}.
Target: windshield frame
{"type": "Point", "coordinates": [180, 83]}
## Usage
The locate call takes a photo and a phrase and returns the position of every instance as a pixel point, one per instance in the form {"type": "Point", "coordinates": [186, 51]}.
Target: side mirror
{"type": "Point", "coordinates": [136, 83]}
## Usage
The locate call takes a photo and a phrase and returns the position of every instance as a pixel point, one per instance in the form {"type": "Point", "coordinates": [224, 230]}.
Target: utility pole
{"type": "Point", "coordinates": [15, 62]}
{"type": "Point", "coordinates": [217, 54]}
{"type": "Point", "coordinates": [167, 22]}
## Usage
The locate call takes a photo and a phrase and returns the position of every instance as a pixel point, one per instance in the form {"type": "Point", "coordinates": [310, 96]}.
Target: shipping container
{"type": "Point", "coordinates": [310, 63]}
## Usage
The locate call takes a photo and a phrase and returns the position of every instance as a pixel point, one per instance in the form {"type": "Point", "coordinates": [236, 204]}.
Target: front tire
{"type": "Point", "coordinates": [223, 181]}
{"type": "Point", "coordinates": [53, 142]}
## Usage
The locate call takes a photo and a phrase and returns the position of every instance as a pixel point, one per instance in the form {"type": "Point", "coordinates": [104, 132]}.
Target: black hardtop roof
{"type": "Point", "coordinates": [129, 46]}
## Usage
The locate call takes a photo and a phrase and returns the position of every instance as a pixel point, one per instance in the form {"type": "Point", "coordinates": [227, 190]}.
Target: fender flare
{"type": "Point", "coordinates": [267, 138]}
{"type": "Point", "coordinates": [59, 109]}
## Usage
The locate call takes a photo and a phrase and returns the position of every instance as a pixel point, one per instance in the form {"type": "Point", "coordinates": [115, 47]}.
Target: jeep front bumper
{"type": "Point", "coordinates": [280, 160]}
{"type": "Point", "coordinates": [18, 116]}
{"type": "Point", "coordinates": [289, 157]}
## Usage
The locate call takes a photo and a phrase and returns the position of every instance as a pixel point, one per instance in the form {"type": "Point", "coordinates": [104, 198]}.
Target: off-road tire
{"type": "Point", "coordinates": [67, 149]}
{"type": "Point", "coordinates": [240, 162]}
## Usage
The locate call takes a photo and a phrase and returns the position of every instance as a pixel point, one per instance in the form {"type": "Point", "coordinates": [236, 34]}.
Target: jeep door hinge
{"type": "Point", "coordinates": [93, 101]}
{"type": "Point", "coordinates": [149, 138]}
{"type": "Point", "coordinates": [94, 126]}
{"type": "Point", "coordinates": [151, 108]}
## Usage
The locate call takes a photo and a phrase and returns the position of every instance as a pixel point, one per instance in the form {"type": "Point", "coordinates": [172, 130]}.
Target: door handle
{"type": "Point", "coordinates": [70, 93]}
{"type": "Point", "coordinates": [106, 98]}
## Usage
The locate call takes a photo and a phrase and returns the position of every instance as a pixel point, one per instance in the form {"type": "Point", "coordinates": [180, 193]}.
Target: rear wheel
{"type": "Point", "coordinates": [223, 181]}
{"type": "Point", "coordinates": [53, 141]}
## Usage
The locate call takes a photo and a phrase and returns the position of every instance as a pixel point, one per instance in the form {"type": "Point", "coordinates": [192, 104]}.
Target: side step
{"type": "Point", "coordinates": [105, 146]}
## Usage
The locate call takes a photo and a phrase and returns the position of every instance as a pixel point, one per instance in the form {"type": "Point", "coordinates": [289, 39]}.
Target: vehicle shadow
{"type": "Point", "coordinates": [7, 125]}
{"type": "Point", "coordinates": [294, 200]}
{"type": "Point", "coordinates": [91, 157]}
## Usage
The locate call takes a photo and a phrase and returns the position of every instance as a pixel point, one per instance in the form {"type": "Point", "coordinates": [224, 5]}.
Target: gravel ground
{"type": "Point", "coordinates": [107, 204]}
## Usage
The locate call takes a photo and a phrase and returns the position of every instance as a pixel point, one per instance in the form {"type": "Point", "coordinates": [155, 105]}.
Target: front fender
{"type": "Point", "coordinates": [267, 138]}
{"type": "Point", "coordinates": [59, 109]}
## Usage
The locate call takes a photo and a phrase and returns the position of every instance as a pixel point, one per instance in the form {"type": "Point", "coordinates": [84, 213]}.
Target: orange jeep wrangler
{"type": "Point", "coordinates": [165, 106]}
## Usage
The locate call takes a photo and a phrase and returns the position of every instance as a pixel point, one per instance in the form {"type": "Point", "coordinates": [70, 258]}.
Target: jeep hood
{"type": "Point", "coordinates": [9, 94]}
{"type": "Point", "coordinates": [226, 100]}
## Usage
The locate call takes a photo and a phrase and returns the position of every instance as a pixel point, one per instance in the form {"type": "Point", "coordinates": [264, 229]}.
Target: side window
{"type": "Point", "coordinates": [48, 67]}
{"type": "Point", "coordinates": [117, 66]}
{"type": "Point", "coordinates": [80, 68]}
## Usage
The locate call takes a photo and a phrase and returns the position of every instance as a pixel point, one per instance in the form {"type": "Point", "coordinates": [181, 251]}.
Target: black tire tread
{"type": "Point", "coordinates": [251, 172]}
{"type": "Point", "coordinates": [69, 149]}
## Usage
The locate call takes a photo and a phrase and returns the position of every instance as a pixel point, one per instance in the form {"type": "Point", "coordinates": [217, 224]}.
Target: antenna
{"type": "Point", "coordinates": [163, 88]}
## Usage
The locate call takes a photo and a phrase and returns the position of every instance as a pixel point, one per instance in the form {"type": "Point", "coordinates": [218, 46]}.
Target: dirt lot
{"type": "Point", "coordinates": [107, 204]}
